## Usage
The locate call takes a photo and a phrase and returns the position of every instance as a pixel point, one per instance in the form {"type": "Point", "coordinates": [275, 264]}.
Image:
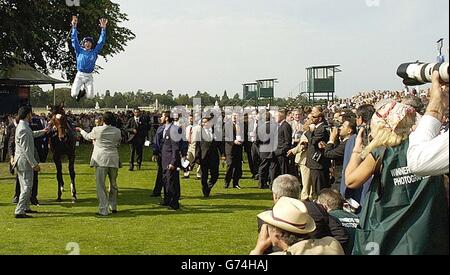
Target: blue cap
{"type": "Point", "coordinates": [90, 39]}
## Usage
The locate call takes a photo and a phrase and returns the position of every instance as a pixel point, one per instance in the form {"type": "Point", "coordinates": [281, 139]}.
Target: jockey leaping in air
{"type": "Point", "coordinates": [86, 57]}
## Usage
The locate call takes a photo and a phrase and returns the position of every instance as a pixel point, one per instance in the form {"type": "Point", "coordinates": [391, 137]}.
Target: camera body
{"type": "Point", "coordinates": [418, 73]}
{"type": "Point", "coordinates": [336, 124]}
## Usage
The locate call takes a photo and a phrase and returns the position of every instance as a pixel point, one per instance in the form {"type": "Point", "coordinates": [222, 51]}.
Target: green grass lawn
{"type": "Point", "coordinates": [224, 224]}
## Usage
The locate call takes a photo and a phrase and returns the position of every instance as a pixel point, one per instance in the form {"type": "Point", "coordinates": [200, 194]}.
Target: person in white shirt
{"type": "Point", "coordinates": [105, 159]}
{"type": "Point", "coordinates": [193, 132]}
{"type": "Point", "coordinates": [428, 149]}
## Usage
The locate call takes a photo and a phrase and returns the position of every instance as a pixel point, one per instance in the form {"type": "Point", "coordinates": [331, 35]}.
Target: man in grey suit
{"type": "Point", "coordinates": [105, 159]}
{"type": "Point", "coordinates": [25, 161]}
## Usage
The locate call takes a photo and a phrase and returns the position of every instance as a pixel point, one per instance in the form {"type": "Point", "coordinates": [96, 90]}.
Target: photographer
{"type": "Point", "coordinates": [335, 148]}
{"type": "Point", "coordinates": [428, 151]}
{"type": "Point", "coordinates": [363, 117]}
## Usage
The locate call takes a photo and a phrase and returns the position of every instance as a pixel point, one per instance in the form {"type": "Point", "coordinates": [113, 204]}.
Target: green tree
{"type": "Point", "coordinates": [38, 97]}
{"type": "Point", "coordinates": [184, 100]}
{"type": "Point", "coordinates": [225, 96]}
{"type": "Point", "coordinates": [37, 31]}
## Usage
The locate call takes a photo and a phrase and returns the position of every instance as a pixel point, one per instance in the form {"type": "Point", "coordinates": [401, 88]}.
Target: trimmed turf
{"type": "Point", "coordinates": [224, 224]}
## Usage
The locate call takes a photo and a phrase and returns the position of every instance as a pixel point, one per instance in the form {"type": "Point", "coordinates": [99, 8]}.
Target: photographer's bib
{"type": "Point", "coordinates": [409, 217]}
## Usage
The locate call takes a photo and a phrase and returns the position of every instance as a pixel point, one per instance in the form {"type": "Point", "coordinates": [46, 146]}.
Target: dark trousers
{"type": "Point", "coordinates": [172, 188]}
{"type": "Point", "coordinates": [268, 170]}
{"type": "Point", "coordinates": [5, 150]}
{"type": "Point", "coordinates": [34, 190]}
{"type": "Point", "coordinates": [319, 179]}
{"type": "Point", "coordinates": [275, 169]}
{"type": "Point", "coordinates": [159, 183]}
{"type": "Point", "coordinates": [57, 159]}
{"type": "Point", "coordinates": [248, 151]}
{"type": "Point", "coordinates": [136, 149]}
{"type": "Point", "coordinates": [209, 167]}
{"type": "Point", "coordinates": [234, 172]}
{"type": "Point", "coordinates": [283, 165]}
{"type": "Point", "coordinates": [293, 168]}
{"type": "Point", "coordinates": [255, 157]}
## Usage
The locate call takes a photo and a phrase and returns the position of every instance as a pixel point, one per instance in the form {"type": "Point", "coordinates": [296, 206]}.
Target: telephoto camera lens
{"type": "Point", "coordinates": [414, 74]}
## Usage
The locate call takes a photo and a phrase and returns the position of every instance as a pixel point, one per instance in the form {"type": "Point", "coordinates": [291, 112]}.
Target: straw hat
{"type": "Point", "coordinates": [290, 215]}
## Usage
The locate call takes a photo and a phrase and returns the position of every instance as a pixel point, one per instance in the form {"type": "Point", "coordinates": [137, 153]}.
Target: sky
{"type": "Point", "coordinates": [216, 45]}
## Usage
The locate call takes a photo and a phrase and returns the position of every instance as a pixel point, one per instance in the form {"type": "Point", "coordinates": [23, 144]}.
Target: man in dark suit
{"type": "Point", "coordinates": [207, 155]}
{"type": "Point", "coordinates": [171, 162]}
{"type": "Point", "coordinates": [137, 133]}
{"type": "Point", "coordinates": [41, 143]}
{"type": "Point", "coordinates": [315, 161]}
{"type": "Point", "coordinates": [248, 144]}
{"type": "Point", "coordinates": [254, 150]}
{"type": "Point", "coordinates": [11, 133]}
{"type": "Point", "coordinates": [335, 148]}
{"type": "Point", "coordinates": [233, 153]}
{"type": "Point", "coordinates": [266, 148]}
{"type": "Point", "coordinates": [158, 140]}
{"type": "Point", "coordinates": [10, 142]}
{"type": "Point", "coordinates": [284, 144]}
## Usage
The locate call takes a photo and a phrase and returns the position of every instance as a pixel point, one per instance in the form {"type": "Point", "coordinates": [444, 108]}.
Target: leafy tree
{"type": "Point", "coordinates": [184, 100]}
{"type": "Point", "coordinates": [225, 96]}
{"type": "Point", "coordinates": [198, 94]}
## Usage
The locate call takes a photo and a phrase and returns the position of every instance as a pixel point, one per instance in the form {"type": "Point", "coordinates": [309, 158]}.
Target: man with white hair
{"type": "Point", "coordinates": [285, 186]}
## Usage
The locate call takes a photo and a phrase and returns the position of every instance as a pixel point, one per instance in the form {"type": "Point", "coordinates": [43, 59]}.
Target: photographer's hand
{"type": "Point", "coordinates": [359, 143]}
{"type": "Point", "coordinates": [438, 98]}
{"type": "Point", "coordinates": [263, 242]}
{"type": "Point", "coordinates": [322, 145]}
{"type": "Point", "coordinates": [334, 135]}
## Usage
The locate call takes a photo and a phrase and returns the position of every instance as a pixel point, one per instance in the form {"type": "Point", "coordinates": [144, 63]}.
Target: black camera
{"type": "Point", "coordinates": [417, 73]}
{"type": "Point", "coordinates": [336, 124]}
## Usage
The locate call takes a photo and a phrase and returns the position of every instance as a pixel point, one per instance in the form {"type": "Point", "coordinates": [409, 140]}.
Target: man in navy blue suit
{"type": "Point", "coordinates": [171, 162]}
{"type": "Point", "coordinates": [157, 144]}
